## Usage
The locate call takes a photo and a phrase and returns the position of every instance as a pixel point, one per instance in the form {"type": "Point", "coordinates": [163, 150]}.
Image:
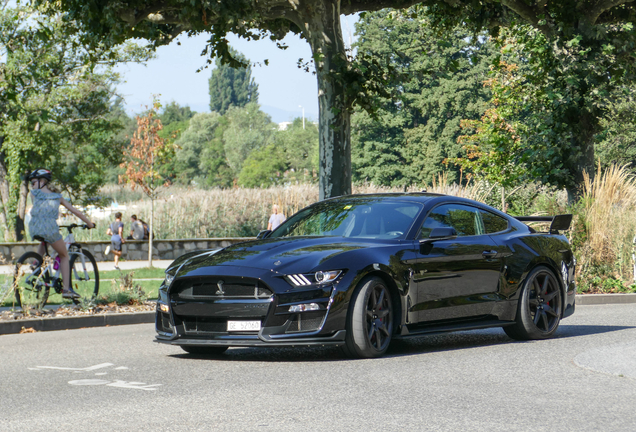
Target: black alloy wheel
{"type": "Point", "coordinates": [540, 306]}
{"type": "Point", "coordinates": [370, 320]}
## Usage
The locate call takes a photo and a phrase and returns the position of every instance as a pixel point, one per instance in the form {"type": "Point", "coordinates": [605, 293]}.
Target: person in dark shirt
{"type": "Point", "coordinates": [116, 231]}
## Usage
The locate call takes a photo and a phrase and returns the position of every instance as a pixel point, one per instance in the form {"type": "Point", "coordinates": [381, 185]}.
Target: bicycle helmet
{"type": "Point", "coordinates": [41, 173]}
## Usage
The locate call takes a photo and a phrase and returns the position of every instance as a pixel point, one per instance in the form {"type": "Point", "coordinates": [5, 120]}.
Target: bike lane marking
{"type": "Point", "coordinates": [97, 382]}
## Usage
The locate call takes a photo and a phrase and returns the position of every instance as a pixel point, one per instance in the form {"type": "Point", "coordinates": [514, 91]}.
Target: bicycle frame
{"type": "Point", "coordinates": [73, 249]}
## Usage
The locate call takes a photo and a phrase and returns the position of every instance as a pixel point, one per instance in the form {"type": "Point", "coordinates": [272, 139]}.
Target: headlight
{"type": "Point", "coordinates": [168, 280]}
{"type": "Point", "coordinates": [313, 279]}
{"type": "Point", "coordinates": [326, 277]}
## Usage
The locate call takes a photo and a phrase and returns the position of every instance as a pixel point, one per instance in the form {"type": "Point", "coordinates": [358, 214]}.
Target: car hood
{"type": "Point", "coordinates": [285, 256]}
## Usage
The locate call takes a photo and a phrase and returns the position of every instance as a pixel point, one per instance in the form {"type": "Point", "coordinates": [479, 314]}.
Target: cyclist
{"type": "Point", "coordinates": [43, 225]}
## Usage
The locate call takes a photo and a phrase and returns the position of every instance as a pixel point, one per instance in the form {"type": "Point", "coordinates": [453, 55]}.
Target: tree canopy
{"type": "Point", "coordinates": [571, 57]}
{"type": "Point", "coordinates": [441, 83]}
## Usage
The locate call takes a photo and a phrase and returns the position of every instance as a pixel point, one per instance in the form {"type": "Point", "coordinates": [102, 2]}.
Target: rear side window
{"type": "Point", "coordinates": [492, 222]}
{"type": "Point", "coordinates": [464, 219]}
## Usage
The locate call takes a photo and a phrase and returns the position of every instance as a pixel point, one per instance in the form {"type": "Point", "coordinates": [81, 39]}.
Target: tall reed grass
{"type": "Point", "coordinates": [239, 212]}
{"type": "Point", "coordinates": [604, 231]}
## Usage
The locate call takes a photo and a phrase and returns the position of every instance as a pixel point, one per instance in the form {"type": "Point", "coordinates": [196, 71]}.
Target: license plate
{"type": "Point", "coordinates": [243, 326]}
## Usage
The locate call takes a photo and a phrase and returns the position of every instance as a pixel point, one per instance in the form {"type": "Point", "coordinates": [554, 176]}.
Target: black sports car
{"type": "Point", "coordinates": [360, 271]}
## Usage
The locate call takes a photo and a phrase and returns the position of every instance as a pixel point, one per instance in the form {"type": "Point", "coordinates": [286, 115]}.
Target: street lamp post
{"type": "Point", "coordinates": [303, 108]}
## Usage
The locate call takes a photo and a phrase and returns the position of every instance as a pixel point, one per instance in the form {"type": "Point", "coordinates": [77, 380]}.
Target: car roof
{"type": "Point", "coordinates": [407, 196]}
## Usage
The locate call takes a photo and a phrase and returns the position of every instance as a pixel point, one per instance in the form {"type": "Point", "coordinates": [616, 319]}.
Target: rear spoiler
{"type": "Point", "coordinates": [559, 222]}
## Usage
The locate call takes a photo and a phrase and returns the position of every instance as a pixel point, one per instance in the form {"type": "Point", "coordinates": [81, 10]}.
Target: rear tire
{"type": "Point", "coordinates": [203, 350]}
{"type": "Point", "coordinates": [28, 285]}
{"type": "Point", "coordinates": [370, 320]}
{"type": "Point", "coordinates": [539, 308]}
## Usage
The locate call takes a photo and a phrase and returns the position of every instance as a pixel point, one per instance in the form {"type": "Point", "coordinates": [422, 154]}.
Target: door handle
{"type": "Point", "coordinates": [489, 254]}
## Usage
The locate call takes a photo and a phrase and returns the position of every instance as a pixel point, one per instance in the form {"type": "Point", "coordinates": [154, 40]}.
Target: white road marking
{"type": "Point", "coordinates": [90, 382]}
{"type": "Point", "coordinates": [86, 369]}
{"type": "Point", "coordinates": [96, 382]}
{"type": "Point", "coordinates": [118, 383]}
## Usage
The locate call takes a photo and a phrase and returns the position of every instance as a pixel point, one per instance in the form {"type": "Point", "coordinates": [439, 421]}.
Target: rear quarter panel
{"type": "Point", "coordinates": [525, 251]}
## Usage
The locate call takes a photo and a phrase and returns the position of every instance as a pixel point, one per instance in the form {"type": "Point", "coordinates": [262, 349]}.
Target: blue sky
{"type": "Point", "coordinates": [283, 88]}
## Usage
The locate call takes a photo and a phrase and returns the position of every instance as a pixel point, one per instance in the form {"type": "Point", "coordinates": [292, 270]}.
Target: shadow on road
{"type": "Point", "coordinates": [398, 348]}
{"type": "Point", "coordinates": [586, 330]}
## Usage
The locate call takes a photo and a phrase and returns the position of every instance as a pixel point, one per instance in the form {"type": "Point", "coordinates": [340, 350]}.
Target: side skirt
{"type": "Point", "coordinates": [452, 328]}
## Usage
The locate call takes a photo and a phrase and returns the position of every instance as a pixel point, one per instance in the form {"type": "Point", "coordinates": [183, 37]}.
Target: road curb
{"type": "Point", "coordinates": [597, 299]}
{"type": "Point", "coordinates": [68, 323]}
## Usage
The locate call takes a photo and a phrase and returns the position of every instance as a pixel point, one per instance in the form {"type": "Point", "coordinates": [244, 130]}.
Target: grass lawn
{"type": "Point", "coordinates": [109, 282]}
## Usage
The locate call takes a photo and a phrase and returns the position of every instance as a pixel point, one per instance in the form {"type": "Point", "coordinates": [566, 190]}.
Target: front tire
{"type": "Point", "coordinates": [540, 306]}
{"type": "Point", "coordinates": [84, 274]}
{"type": "Point", "coordinates": [370, 320]}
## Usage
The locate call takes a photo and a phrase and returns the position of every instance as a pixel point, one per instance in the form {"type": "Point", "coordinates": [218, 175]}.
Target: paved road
{"type": "Point", "coordinates": [118, 379]}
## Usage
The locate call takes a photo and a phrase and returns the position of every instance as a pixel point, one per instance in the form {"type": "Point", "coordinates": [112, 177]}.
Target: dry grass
{"type": "Point", "coordinates": [238, 212]}
{"type": "Point", "coordinates": [608, 221]}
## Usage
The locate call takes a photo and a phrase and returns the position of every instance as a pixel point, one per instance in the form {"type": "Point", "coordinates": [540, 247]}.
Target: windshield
{"type": "Point", "coordinates": [362, 218]}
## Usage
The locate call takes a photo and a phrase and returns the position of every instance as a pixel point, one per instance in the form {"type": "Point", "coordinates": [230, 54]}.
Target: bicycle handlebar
{"type": "Point", "coordinates": [72, 226]}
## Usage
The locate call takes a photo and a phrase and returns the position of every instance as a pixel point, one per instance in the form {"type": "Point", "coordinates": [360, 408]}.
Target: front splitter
{"type": "Point", "coordinates": [336, 339]}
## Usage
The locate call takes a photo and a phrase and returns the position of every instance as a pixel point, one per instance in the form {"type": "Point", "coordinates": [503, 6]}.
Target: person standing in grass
{"type": "Point", "coordinates": [275, 219]}
{"type": "Point", "coordinates": [43, 226]}
{"type": "Point", "coordinates": [116, 231]}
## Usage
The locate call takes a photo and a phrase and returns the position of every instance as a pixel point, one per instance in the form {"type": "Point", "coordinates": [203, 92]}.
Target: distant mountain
{"type": "Point", "coordinates": [279, 115]}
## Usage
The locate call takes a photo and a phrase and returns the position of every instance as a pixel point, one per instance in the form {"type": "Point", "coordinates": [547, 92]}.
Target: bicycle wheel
{"type": "Point", "coordinates": [30, 281]}
{"type": "Point", "coordinates": [84, 274]}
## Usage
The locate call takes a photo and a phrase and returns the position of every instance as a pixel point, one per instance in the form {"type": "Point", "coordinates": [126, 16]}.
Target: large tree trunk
{"type": "Point", "coordinates": [324, 34]}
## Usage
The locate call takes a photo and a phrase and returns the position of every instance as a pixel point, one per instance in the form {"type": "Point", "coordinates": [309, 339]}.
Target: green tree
{"type": "Point", "coordinates": [264, 167]}
{"type": "Point", "coordinates": [616, 144]}
{"type": "Point", "coordinates": [572, 55]}
{"type": "Point", "coordinates": [53, 106]}
{"type": "Point", "coordinates": [341, 83]}
{"type": "Point", "coordinates": [299, 145]}
{"type": "Point", "coordinates": [292, 157]}
{"type": "Point", "coordinates": [232, 86]}
{"type": "Point", "coordinates": [201, 157]}
{"type": "Point", "coordinates": [441, 83]}
{"type": "Point", "coordinates": [248, 129]}
{"type": "Point", "coordinates": [175, 113]}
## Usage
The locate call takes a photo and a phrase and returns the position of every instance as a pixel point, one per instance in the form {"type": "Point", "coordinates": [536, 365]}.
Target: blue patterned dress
{"type": "Point", "coordinates": [44, 214]}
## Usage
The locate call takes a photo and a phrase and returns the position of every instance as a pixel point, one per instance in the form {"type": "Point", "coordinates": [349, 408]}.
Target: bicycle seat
{"type": "Point", "coordinates": [39, 238]}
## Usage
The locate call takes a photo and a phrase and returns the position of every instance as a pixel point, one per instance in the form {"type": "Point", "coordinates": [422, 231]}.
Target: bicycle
{"type": "Point", "coordinates": [35, 275]}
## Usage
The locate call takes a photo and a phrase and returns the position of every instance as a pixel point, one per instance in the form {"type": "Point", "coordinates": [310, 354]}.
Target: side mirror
{"type": "Point", "coordinates": [263, 234]}
{"type": "Point", "coordinates": [440, 234]}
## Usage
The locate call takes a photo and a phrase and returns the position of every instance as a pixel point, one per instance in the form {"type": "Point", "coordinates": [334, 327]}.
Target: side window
{"type": "Point", "coordinates": [492, 222]}
{"type": "Point", "coordinates": [464, 219]}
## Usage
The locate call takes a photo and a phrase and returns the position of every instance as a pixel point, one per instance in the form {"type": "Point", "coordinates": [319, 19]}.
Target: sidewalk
{"type": "Point", "coordinates": [110, 265]}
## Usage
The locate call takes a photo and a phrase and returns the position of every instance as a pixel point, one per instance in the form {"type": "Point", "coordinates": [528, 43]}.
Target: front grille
{"type": "Point", "coordinates": [306, 322]}
{"type": "Point", "coordinates": [201, 325]}
{"type": "Point", "coordinates": [222, 288]}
